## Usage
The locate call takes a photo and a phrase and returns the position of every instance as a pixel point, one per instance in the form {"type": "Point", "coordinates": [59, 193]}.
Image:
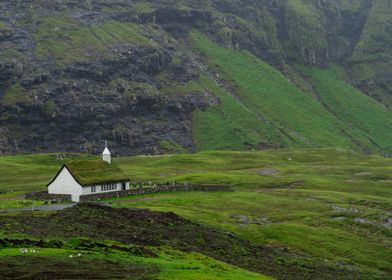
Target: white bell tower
{"type": "Point", "coordinates": [106, 154]}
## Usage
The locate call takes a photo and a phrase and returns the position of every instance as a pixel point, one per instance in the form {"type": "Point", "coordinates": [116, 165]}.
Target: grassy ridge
{"type": "Point", "coordinates": [273, 110]}
{"type": "Point", "coordinates": [264, 90]}
{"type": "Point", "coordinates": [353, 107]}
{"type": "Point", "coordinates": [230, 124]}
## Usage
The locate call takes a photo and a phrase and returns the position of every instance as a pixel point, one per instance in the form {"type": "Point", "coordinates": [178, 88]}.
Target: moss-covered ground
{"type": "Point", "coordinates": [96, 171]}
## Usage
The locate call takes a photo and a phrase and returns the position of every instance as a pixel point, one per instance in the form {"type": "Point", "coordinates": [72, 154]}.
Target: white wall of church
{"type": "Point", "coordinates": [65, 184]}
{"type": "Point", "coordinates": [107, 158]}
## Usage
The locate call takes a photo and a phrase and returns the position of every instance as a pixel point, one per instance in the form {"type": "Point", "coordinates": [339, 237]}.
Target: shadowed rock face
{"type": "Point", "coordinates": [77, 104]}
{"type": "Point", "coordinates": [84, 72]}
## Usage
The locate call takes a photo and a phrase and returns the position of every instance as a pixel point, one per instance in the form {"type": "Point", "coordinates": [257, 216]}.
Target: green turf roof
{"type": "Point", "coordinates": [88, 172]}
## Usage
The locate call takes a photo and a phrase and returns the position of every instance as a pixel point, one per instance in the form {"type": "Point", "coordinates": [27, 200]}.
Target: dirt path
{"type": "Point", "coordinates": [49, 207]}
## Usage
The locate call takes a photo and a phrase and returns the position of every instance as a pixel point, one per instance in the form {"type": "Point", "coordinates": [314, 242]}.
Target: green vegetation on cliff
{"type": "Point", "coordinates": [307, 38]}
{"type": "Point", "coordinates": [371, 61]}
{"type": "Point", "coordinates": [69, 40]}
{"type": "Point", "coordinates": [16, 94]}
{"type": "Point", "coordinates": [3, 26]}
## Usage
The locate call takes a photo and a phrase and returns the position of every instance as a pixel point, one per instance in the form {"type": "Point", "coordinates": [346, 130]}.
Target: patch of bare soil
{"type": "Point", "coordinates": [45, 268]}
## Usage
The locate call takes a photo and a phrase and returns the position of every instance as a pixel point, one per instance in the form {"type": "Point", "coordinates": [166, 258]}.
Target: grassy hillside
{"type": "Point", "coordinates": [266, 108]}
{"type": "Point", "coordinates": [229, 125]}
{"type": "Point", "coordinates": [330, 204]}
{"type": "Point", "coordinates": [352, 106]}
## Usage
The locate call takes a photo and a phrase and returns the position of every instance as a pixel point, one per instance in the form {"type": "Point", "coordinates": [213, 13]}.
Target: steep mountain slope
{"type": "Point", "coordinates": [351, 106]}
{"type": "Point", "coordinates": [292, 118]}
{"type": "Point", "coordinates": [157, 76]}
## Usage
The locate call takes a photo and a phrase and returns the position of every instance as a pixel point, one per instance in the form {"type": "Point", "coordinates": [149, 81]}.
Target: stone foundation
{"type": "Point", "coordinates": [44, 195]}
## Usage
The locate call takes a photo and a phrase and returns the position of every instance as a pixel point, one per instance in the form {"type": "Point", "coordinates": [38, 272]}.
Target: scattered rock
{"type": "Point", "coordinates": [363, 221]}
{"type": "Point", "coordinates": [387, 223]}
{"type": "Point", "coordinates": [342, 209]}
{"type": "Point", "coordinates": [267, 171]}
{"type": "Point", "coordinates": [241, 219]}
{"type": "Point", "coordinates": [244, 220]}
{"type": "Point", "coordinates": [338, 218]}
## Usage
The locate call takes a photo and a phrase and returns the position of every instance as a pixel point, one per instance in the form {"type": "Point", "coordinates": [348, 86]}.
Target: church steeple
{"type": "Point", "coordinates": [106, 154]}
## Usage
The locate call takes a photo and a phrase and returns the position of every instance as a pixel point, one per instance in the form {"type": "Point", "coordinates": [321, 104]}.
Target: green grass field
{"type": "Point", "coordinates": [331, 204]}
{"type": "Point", "coordinates": [318, 215]}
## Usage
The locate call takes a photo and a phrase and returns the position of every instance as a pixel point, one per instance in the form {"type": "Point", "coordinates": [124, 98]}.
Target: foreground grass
{"type": "Point", "coordinates": [168, 264]}
{"type": "Point", "coordinates": [332, 204]}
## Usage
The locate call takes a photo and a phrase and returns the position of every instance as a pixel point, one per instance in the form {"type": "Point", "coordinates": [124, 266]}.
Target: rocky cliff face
{"type": "Point", "coordinates": [74, 73]}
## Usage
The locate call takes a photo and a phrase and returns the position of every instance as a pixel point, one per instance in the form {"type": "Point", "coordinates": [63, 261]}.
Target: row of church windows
{"type": "Point", "coordinates": [105, 187]}
{"type": "Point", "coordinates": [109, 187]}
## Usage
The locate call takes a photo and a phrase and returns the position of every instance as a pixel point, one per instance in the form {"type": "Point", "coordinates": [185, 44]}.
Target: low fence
{"type": "Point", "coordinates": [156, 189]}
{"type": "Point", "coordinates": [44, 195]}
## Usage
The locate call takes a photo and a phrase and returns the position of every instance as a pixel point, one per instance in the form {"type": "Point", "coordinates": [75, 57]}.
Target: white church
{"type": "Point", "coordinates": [88, 177]}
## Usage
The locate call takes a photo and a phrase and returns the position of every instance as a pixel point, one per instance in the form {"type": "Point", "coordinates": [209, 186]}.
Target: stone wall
{"type": "Point", "coordinates": [44, 195]}
{"type": "Point", "coordinates": [156, 189]}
